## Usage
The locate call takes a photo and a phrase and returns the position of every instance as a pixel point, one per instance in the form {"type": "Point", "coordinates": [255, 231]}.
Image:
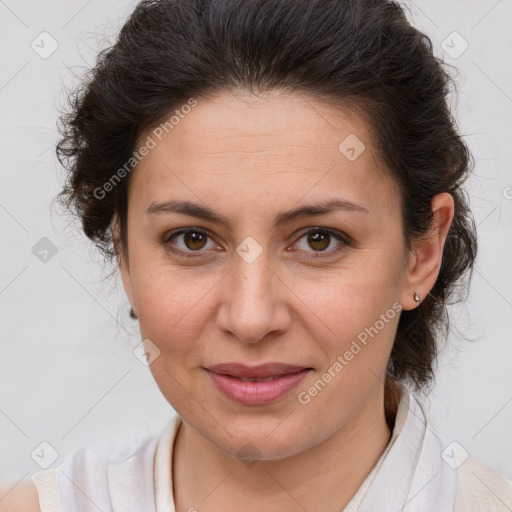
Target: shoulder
{"type": "Point", "coordinates": [481, 488]}
{"type": "Point", "coordinates": [116, 470]}
{"type": "Point", "coordinates": [20, 498]}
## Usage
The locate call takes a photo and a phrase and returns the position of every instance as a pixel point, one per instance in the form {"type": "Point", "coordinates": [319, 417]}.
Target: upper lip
{"type": "Point", "coordinates": [259, 371]}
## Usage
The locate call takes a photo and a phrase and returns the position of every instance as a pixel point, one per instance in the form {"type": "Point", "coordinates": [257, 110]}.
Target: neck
{"type": "Point", "coordinates": [329, 473]}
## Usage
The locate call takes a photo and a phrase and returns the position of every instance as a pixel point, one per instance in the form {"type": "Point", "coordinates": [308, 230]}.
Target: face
{"type": "Point", "coordinates": [320, 291]}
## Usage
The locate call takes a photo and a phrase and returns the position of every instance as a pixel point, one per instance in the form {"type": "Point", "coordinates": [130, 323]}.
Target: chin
{"type": "Point", "coordinates": [263, 439]}
{"type": "Point", "coordinates": [250, 450]}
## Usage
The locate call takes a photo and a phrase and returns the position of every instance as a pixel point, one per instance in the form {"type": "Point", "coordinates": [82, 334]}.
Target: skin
{"type": "Point", "coordinates": [249, 158]}
{"type": "Point", "coordinates": [19, 497]}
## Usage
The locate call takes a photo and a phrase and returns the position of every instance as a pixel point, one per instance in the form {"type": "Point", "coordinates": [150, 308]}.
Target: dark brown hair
{"type": "Point", "coordinates": [360, 53]}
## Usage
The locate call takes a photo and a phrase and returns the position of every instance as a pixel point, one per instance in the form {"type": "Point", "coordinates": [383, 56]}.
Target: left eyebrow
{"type": "Point", "coordinates": [284, 217]}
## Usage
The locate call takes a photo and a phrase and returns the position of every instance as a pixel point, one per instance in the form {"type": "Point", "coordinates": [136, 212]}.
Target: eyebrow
{"type": "Point", "coordinates": [284, 217]}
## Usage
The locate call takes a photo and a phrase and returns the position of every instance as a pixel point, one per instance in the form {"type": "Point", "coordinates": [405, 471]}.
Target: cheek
{"type": "Point", "coordinates": [343, 302]}
{"type": "Point", "coordinates": [173, 307]}
{"type": "Point", "coordinates": [354, 323]}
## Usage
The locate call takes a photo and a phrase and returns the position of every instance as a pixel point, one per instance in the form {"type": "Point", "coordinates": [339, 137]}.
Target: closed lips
{"type": "Point", "coordinates": [256, 385]}
{"type": "Point", "coordinates": [262, 373]}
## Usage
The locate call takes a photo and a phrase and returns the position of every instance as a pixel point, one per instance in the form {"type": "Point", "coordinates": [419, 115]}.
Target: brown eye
{"type": "Point", "coordinates": [188, 241]}
{"type": "Point", "coordinates": [320, 239]}
{"type": "Point", "coordinates": [194, 240]}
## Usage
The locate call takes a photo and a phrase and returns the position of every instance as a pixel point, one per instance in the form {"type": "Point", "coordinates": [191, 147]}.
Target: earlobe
{"type": "Point", "coordinates": [427, 254]}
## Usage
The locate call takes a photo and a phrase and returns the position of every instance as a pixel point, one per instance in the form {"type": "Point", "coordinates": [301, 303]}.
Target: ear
{"type": "Point", "coordinates": [427, 253]}
{"type": "Point", "coordinates": [122, 258]}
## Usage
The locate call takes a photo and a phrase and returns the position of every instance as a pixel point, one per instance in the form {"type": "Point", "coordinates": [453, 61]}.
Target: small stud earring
{"type": "Point", "coordinates": [416, 296]}
{"type": "Point", "coordinates": [132, 313]}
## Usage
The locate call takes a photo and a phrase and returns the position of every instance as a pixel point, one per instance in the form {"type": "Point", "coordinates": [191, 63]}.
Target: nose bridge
{"type": "Point", "coordinates": [252, 280]}
{"type": "Point", "coordinates": [251, 306]}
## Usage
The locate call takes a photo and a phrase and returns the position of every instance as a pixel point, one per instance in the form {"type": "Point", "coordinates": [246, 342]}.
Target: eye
{"type": "Point", "coordinates": [193, 240]}
{"type": "Point", "coordinates": [320, 239]}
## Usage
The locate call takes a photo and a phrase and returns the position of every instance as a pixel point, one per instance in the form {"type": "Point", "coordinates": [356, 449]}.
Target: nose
{"type": "Point", "coordinates": [254, 304]}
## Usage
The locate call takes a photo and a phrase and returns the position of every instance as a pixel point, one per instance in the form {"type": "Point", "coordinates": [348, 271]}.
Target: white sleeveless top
{"type": "Point", "coordinates": [419, 471]}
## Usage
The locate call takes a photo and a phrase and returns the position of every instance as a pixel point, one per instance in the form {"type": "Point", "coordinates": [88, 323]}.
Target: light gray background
{"type": "Point", "coordinates": [67, 372]}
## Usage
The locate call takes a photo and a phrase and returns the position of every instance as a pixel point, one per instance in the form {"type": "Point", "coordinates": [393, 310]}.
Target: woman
{"type": "Point", "coordinates": [280, 184]}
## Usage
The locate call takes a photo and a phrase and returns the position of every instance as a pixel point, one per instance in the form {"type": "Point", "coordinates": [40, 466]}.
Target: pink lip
{"type": "Point", "coordinates": [227, 379]}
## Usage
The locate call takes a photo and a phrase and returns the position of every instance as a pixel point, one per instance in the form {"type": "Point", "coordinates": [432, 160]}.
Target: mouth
{"type": "Point", "coordinates": [256, 385]}
{"type": "Point", "coordinates": [261, 371]}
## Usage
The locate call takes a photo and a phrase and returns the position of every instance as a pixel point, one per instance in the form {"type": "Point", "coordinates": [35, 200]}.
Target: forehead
{"type": "Point", "coordinates": [271, 148]}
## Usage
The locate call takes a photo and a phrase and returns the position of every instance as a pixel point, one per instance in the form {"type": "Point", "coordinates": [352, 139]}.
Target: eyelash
{"type": "Point", "coordinates": [317, 254]}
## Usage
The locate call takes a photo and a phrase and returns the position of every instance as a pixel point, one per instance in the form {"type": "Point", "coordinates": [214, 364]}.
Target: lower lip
{"type": "Point", "coordinates": [256, 393]}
